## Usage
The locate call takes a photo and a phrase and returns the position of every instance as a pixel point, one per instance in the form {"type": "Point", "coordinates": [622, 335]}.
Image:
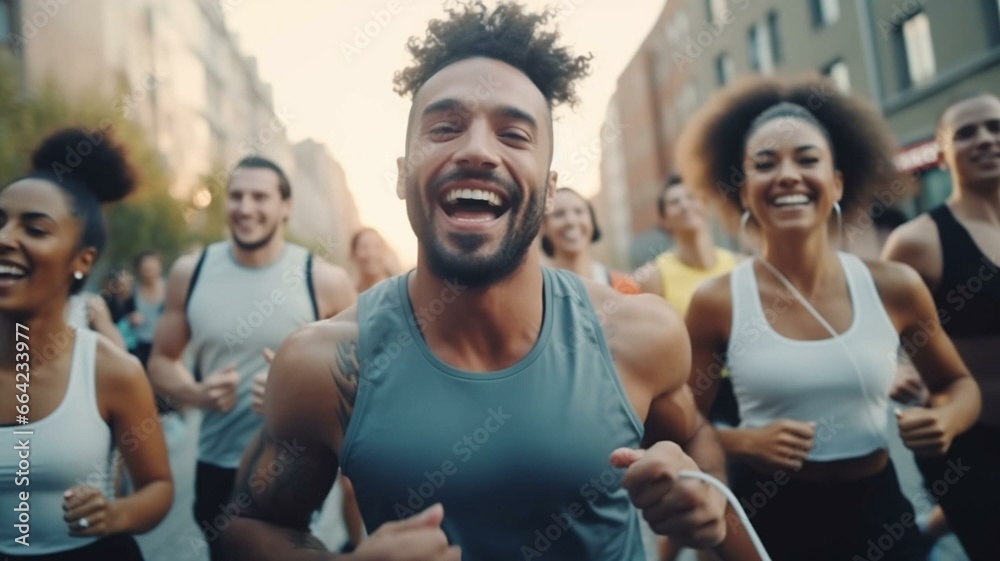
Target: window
{"type": "Point", "coordinates": [687, 101]}
{"type": "Point", "coordinates": [772, 28]}
{"type": "Point", "coordinates": [837, 71]}
{"type": "Point", "coordinates": [6, 19]}
{"type": "Point", "coordinates": [724, 69]}
{"type": "Point", "coordinates": [991, 17]}
{"type": "Point", "coordinates": [917, 50]}
{"type": "Point", "coordinates": [760, 53]}
{"type": "Point", "coordinates": [715, 9]}
{"type": "Point", "coordinates": [825, 12]}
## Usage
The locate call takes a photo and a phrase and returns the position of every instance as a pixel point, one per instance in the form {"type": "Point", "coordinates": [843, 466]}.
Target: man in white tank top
{"type": "Point", "coordinates": [234, 304]}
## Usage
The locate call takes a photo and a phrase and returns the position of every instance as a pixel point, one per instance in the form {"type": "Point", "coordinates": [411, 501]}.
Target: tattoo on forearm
{"type": "Point", "coordinates": [302, 540]}
{"type": "Point", "coordinates": [345, 376]}
{"type": "Point", "coordinates": [286, 496]}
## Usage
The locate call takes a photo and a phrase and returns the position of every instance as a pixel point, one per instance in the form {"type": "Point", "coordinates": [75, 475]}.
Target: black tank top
{"type": "Point", "coordinates": [968, 296]}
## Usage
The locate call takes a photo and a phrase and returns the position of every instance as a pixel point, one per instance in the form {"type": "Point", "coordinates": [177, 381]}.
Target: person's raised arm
{"type": "Point", "coordinates": [170, 378]}
{"type": "Point", "coordinates": [308, 404]}
{"type": "Point", "coordinates": [99, 318]}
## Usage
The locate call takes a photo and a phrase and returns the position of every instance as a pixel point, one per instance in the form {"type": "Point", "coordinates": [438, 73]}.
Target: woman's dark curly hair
{"type": "Point", "coordinates": [90, 169]}
{"type": "Point", "coordinates": [508, 34]}
{"type": "Point", "coordinates": [711, 149]}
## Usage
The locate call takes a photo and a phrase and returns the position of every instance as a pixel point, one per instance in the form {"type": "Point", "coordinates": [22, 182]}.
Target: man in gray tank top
{"type": "Point", "coordinates": [231, 306]}
{"type": "Point", "coordinates": [485, 407]}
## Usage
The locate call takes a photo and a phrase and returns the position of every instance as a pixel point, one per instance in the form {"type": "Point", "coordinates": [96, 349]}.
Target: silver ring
{"type": "Point", "coordinates": [83, 523]}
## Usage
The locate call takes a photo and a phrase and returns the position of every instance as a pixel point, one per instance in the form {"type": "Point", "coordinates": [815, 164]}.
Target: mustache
{"type": "Point", "coordinates": [436, 185]}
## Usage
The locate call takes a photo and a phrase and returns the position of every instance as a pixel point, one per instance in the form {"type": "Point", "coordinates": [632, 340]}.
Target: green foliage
{"type": "Point", "coordinates": [151, 218]}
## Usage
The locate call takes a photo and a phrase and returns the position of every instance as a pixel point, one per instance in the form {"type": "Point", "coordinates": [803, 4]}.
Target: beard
{"type": "Point", "coordinates": [476, 271]}
{"type": "Point", "coordinates": [254, 245]}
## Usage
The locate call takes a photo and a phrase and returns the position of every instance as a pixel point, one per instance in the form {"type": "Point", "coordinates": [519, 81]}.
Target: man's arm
{"type": "Point", "coordinates": [99, 318]}
{"type": "Point", "coordinates": [308, 406]}
{"type": "Point", "coordinates": [308, 390]}
{"type": "Point", "coordinates": [955, 401]}
{"type": "Point", "coordinates": [916, 244]}
{"type": "Point", "coordinates": [169, 376]}
{"type": "Point", "coordinates": [665, 354]}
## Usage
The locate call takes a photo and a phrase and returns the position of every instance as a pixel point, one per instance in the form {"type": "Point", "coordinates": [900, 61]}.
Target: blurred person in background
{"type": "Point", "coordinates": [146, 303]}
{"type": "Point", "coordinates": [956, 250]}
{"type": "Point", "coordinates": [567, 233]}
{"type": "Point", "coordinates": [233, 304]}
{"type": "Point", "coordinates": [371, 257]}
{"type": "Point", "coordinates": [86, 393]}
{"type": "Point", "coordinates": [676, 273]}
{"type": "Point", "coordinates": [809, 334]}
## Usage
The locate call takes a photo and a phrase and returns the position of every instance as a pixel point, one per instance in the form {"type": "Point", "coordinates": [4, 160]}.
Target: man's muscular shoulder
{"type": "Point", "coordinates": [916, 243]}
{"type": "Point", "coordinates": [313, 379]}
{"type": "Point", "coordinates": [643, 333]}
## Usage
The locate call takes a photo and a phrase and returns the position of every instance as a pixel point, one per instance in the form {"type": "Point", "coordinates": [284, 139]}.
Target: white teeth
{"type": "Point", "coordinates": [12, 270]}
{"type": "Point", "coordinates": [473, 195]}
{"type": "Point", "coordinates": [791, 200]}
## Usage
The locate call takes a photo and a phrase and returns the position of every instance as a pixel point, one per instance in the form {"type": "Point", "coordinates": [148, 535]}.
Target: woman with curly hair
{"type": "Point", "coordinates": [567, 234]}
{"type": "Point", "coordinates": [810, 334]}
{"type": "Point", "coordinates": [68, 394]}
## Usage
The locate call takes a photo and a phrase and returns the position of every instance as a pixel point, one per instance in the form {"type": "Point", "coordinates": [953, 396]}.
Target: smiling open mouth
{"type": "Point", "coordinates": [795, 200]}
{"type": "Point", "coordinates": [10, 273]}
{"type": "Point", "coordinates": [474, 205]}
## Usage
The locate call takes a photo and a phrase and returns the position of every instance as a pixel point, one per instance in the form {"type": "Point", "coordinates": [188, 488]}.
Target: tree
{"type": "Point", "coordinates": [150, 219]}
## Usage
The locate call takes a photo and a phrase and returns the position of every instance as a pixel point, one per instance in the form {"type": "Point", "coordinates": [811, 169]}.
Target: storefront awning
{"type": "Point", "coordinates": [917, 157]}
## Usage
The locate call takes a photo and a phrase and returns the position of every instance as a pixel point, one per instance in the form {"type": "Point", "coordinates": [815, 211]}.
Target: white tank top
{"type": "Point", "coordinates": [775, 377]}
{"type": "Point", "coordinates": [71, 446]}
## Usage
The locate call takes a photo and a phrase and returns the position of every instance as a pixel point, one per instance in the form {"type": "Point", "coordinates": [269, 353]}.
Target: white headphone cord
{"type": "Point", "coordinates": [735, 503]}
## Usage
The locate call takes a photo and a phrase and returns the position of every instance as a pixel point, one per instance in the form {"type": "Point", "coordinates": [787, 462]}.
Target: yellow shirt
{"type": "Point", "coordinates": [680, 281]}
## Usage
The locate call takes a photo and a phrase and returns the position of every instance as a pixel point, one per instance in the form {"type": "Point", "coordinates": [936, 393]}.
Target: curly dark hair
{"type": "Point", "coordinates": [711, 148]}
{"type": "Point", "coordinates": [508, 34]}
{"type": "Point", "coordinates": [90, 169]}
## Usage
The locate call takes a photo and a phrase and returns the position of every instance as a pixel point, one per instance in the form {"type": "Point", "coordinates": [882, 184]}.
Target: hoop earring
{"type": "Point", "coordinates": [840, 224]}
{"type": "Point", "coordinates": [743, 241]}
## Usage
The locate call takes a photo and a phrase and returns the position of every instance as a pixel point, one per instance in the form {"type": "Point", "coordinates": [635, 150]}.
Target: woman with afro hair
{"type": "Point", "coordinates": [67, 394]}
{"type": "Point", "coordinates": [810, 334]}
